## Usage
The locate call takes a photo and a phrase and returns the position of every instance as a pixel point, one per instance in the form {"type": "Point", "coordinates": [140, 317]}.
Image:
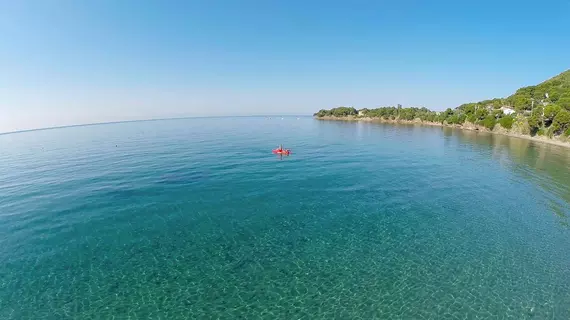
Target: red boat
{"type": "Point", "coordinates": [282, 151]}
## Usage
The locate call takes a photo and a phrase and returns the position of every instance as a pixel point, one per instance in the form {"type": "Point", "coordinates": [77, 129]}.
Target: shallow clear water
{"type": "Point", "coordinates": [197, 219]}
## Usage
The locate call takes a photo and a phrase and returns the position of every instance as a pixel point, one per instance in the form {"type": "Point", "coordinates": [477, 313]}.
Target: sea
{"type": "Point", "coordinates": [198, 219]}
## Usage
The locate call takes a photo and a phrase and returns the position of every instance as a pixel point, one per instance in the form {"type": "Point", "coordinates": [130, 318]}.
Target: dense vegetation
{"type": "Point", "coordinates": [337, 112]}
{"type": "Point", "coordinates": [543, 109]}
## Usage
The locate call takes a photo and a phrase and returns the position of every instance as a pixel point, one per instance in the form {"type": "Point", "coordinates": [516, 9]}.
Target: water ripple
{"type": "Point", "coordinates": [197, 219]}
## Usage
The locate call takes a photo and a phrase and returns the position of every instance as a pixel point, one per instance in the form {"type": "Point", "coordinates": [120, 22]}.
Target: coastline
{"type": "Point", "coordinates": [469, 127]}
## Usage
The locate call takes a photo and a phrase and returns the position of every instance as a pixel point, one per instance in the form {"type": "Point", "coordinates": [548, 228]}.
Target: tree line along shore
{"type": "Point", "coordinates": [541, 111]}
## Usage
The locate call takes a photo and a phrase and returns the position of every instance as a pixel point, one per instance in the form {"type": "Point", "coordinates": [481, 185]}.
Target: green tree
{"type": "Point", "coordinates": [539, 92]}
{"type": "Point", "coordinates": [431, 117]}
{"type": "Point", "coordinates": [538, 112]}
{"type": "Point", "coordinates": [522, 103]}
{"type": "Point", "coordinates": [441, 117]}
{"type": "Point", "coordinates": [471, 118]}
{"type": "Point", "coordinates": [534, 123]}
{"type": "Point", "coordinates": [506, 122]}
{"type": "Point", "coordinates": [564, 101]}
{"type": "Point", "coordinates": [525, 91]}
{"type": "Point", "coordinates": [550, 111]}
{"type": "Point", "coordinates": [344, 111]}
{"type": "Point", "coordinates": [561, 122]}
{"type": "Point", "coordinates": [323, 113]}
{"type": "Point", "coordinates": [497, 113]}
{"type": "Point", "coordinates": [461, 118]}
{"type": "Point", "coordinates": [467, 108]}
{"type": "Point", "coordinates": [489, 122]}
{"type": "Point", "coordinates": [497, 103]}
{"type": "Point", "coordinates": [481, 113]}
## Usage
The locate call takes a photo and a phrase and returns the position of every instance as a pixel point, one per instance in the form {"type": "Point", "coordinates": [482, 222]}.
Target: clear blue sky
{"type": "Point", "coordinates": [69, 62]}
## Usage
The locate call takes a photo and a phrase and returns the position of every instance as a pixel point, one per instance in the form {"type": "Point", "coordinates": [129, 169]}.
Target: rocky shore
{"type": "Point", "coordinates": [514, 132]}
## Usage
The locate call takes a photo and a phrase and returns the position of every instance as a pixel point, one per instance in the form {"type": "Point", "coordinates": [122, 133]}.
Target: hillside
{"type": "Point", "coordinates": [555, 90]}
{"type": "Point", "coordinates": [542, 109]}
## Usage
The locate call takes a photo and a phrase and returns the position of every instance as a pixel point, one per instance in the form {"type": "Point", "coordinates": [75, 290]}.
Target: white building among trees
{"type": "Point", "coordinates": [507, 110]}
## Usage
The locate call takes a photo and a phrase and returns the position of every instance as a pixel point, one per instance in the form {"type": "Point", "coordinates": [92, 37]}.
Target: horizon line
{"type": "Point", "coordinates": [144, 120]}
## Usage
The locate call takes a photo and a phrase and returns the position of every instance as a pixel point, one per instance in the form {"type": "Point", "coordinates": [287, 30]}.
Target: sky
{"type": "Point", "coordinates": [75, 62]}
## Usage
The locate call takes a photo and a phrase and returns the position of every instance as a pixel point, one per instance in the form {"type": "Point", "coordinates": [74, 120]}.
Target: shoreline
{"type": "Point", "coordinates": [470, 127]}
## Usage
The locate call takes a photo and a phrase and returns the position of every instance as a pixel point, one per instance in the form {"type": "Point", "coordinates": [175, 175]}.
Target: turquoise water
{"type": "Point", "coordinates": [197, 219]}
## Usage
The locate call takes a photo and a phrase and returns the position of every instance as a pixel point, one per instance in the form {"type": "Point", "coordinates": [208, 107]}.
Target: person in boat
{"type": "Point", "coordinates": [280, 148]}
